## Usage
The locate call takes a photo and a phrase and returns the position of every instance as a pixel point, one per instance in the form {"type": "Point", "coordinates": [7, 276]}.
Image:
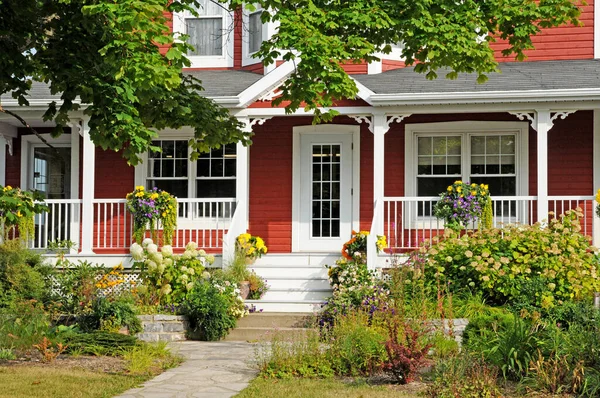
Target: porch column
{"type": "Point", "coordinates": [88, 185]}
{"type": "Point", "coordinates": [2, 160]}
{"type": "Point", "coordinates": [242, 171]}
{"type": "Point", "coordinates": [596, 178]}
{"type": "Point", "coordinates": [543, 124]}
{"type": "Point", "coordinates": [379, 128]}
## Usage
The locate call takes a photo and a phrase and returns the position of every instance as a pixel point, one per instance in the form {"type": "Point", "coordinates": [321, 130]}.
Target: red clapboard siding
{"type": "Point", "coordinates": [564, 42]}
{"type": "Point", "coordinates": [256, 68]}
{"type": "Point", "coordinates": [237, 39]}
{"type": "Point", "coordinates": [164, 48]}
{"type": "Point", "coordinates": [114, 177]}
{"type": "Point", "coordinates": [271, 179]}
{"type": "Point", "coordinates": [356, 69]}
{"type": "Point", "coordinates": [340, 103]}
{"type": "Point", "coordinates": [13, 164]}
{"type": "Point", "coordinates": [391, 64]}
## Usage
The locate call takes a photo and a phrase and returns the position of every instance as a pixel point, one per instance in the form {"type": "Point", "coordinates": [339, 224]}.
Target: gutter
{"type": "Point", "coordinates": [486, 97]}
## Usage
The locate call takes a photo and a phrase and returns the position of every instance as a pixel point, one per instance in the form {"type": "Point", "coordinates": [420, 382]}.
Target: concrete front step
{"type": "Point", "coordinates": [296, 294]}
{"type": "Point", "coordinates": [276, 320]}
{"type": "Point", "coordinates": [264, 326]}
{"type": "Point", "coordinates": [278, 283]}
{"type": "Point", "coordinates": [262, 334]}
{"type": "Point", "coordinates": [314, 260]}
{"type": "Point", "coordinates": [297, 272]}
{"type": "Point", "coordinates": [286, 305]}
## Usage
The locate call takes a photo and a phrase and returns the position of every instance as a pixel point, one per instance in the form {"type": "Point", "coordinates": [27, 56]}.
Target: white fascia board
{"type": "Point", "coordinates": [587, 94]}
{"type": "Point", "coordinates": [227, 102]}
{"type": "Point", "coordinates": [267, 83]}
{"type": "Point", "coordinates": [364, 92]}
{"type": "Point", "coordinates": [271, 112]}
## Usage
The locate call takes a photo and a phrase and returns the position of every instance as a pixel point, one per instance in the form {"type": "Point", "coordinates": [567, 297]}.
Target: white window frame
{"type": "Point", "coordinates": [247, 58]}
{"type": "Point", "coordinates": [29, 142]}
{"type": "Point", "coordinates": [208, 61]}
{"type": "Point", "coordinates": [141, 178]}
{"type": "Point", "coordinates": [465, 129]}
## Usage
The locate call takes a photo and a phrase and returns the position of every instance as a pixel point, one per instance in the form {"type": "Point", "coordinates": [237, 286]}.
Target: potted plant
{"type": "Point", "coordinates": [247, 249]}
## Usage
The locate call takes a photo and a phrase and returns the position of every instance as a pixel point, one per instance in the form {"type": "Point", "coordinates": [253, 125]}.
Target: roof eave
{"type": "Point", "coordinates": [486, 97]}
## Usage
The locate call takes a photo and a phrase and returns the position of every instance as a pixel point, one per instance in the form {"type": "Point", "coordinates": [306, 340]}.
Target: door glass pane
{"type": "Point", "coordinates": [52, 172]}
{"type": "Point", "coordinates": [326, 163]}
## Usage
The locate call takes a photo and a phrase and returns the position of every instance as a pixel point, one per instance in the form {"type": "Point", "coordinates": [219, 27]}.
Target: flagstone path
{"type": "Point", "coordinates": [211, 370]}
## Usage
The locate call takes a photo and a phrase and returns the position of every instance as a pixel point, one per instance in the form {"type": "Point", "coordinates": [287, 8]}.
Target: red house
{"type": "Point", "coordinates": [532, 133]}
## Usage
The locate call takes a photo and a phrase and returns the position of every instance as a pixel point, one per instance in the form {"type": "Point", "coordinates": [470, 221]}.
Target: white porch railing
{"type": "Point", "coordinates": [408, 221]}
{"type": "Point", "coordinates": [60, 222]}
{"type": "Point", "coordinates": [204, 221]}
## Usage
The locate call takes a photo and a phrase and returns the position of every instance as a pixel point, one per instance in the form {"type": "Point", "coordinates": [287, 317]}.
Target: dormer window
{"type": "Point", "coordinates": [206, 31]}
{"type": "Point", "coordinates": [255, 30]}
{"type": "Point", "coordinates": [210, 32]}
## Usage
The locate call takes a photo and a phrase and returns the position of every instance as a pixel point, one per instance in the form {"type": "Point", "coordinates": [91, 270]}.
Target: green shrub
{"type": "Point", "coordinates": [74, 287]}
{"type": "Point", "coordinates": [23, 325]}
{"type": "Point", "coordinates": [98, 343]}
{"type": "Point", "coordinates": [507, 342]}
{"type": "Point", "coordinates": [552, 263]}
{"type": "Point", "coordinates": [301, 355]}
{"type": "Point", "coordinates": [111, 314]}
{"type": "Point", "coordinates": [357, 348]}
{"type": "Point", "coordinates": [464, 376]}
{"type": "Point", "coordinates": [213, 307]}
{"type": "Point", "coordinates": [21, 276]}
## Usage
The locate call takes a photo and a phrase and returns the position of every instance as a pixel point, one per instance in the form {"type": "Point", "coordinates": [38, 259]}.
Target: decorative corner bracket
{"type": "Point", "coordinates": [259, 120]}
{"type": "Point", "coordinates": [363, 118]}
{"type": "Point", "coordinates": [531, 116]}
{"type": "Point", "coordinates": [560, 115]}
{"type": "Point", "coordinates": [396, 119]}
{"type": "Point", "coordinates": [270, 95]}
{"type": "Point", "coordinates": [9, 143]}
{"type": "Point", "coordinates": [77, 125]}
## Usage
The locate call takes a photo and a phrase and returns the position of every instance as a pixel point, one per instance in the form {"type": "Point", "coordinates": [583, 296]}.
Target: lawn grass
{"type": "Point", "coordinates": [39, 382]}
{"type": "Point", "coordinates": [320, 388]}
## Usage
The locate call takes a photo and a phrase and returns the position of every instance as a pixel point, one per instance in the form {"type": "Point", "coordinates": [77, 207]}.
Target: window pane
{"type": "Point", "coordinates": [492, 164]}
{"type": "Point", "coordinates": [439, 145]}
{"type": "Point", "coordinates": [439, 165]}
{"type": "Point", "coordinates": [178, 188]}
{"type": "Point", "coordinates": [433, 186]}
{"type": "Point", "coordinates": [424, 145]}
{"type": "Point", "coordinates": [477, 164]}
{"type": "Point", "coordinates": [508, 165]}
{"type": "Point", "coordinates": [203, 168]}
{"type": "Point", "coordinates": [168, 149]}
{"type": "Point", "coordinates": [425, 166]}
{"type": "Point", "coordinates": [154, 168]}
{"type": "Point", "coordinates": [478, 145]}
{"type": "Point", "coordinates": [168, 168]}
{"type": "Point", "coordinates": [216, 168]}
{"type": "Point", "coordinates": [499, 186]}
{"type": "Point", "coordinates": [254, 32]}
{"type": "Point", "coordinates": [454, 146]}
{"type": "Point", "coordinates": [181, 149]}
{"type": "Point", "coordinates": [230, 167]}
{"type": "Point", "coordinates": [181, 168]}
{"type": "Point", "coordinates": [492, 145]}
{"type": "Point", "coordinates": [205, 35]}
{"type": "Point", "coordinates": [507, 144]}
{"type": "Point", "coordinates": [215, 188]}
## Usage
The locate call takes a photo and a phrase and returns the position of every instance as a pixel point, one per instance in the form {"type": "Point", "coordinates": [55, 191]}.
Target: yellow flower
{"type": "Point", "coordinates": [7, 188]}
{"type": "Point", "coordinates": [139, 188]}
{"type": "Point", "coordinates": [154, 196]}
{"type": "Point", "coordinates": [139, 194]}
{"type": "Point", "coordinates": [473, 193]}
{"type": "Point", "coordinates": [450, 188]}
{"type": "Point", "coordinates": [19, 214]}
{"type": "Point", "coordinates": [458, 182]}
{"type": "Point", "coordinates": [474, 185]}
{"type": "Point", "coordinates": [459, 189]}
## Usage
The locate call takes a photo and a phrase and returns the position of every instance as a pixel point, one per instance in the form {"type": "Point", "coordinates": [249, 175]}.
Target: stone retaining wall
{"type": "Point", "coordinates": [161, 327]}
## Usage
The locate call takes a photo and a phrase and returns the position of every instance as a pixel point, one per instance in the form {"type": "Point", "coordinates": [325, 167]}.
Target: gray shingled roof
{"type": "Point", "coordinates": [38, 91]}
{"type": "Point", "coordinates": [225, 83]}
{"type": "Point", "coordinates": [216, 83]}
{"type": "Point", "coordinates": [515, 76]}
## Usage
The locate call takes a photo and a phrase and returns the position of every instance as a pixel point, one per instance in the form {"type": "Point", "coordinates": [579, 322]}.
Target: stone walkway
{"type": "Point", "coordinates": [210, 370]}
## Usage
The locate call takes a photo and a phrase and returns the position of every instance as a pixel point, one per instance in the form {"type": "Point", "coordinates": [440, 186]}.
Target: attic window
{"type": "Point", "coordinates": [206, 30]}
{"type": "Point", "coordinates": [255, 30]}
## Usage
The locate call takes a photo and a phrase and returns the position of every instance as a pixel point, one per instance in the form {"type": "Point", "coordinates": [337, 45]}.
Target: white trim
{"type": "Point", "coordinates": [3, 145]}
{"type": "Point", "coordinates": [198, 61]}
{"type": "Point", "coordinates": [596, 29]}
{"type": "Point", "coordinates": [375, 67]}
{"type": "Point", "coordinates": [596, 175]}
{"type": "Point", "coordinates": [266, 83]}
{"type": "Point", "coordinates": [468, 97]}
{"type": "Point", "coordinates": [466, 129]}
{"type": "Point", "coordinates": [88, 191]}
{"type": "Point", "coordinates": [543, 126]}
{"type": "Point", "coordinates": [247, 58]}
{"type": "Point", "coordinates": [64, 140]}
{"type": "Point", "coordinates": [325, 130]}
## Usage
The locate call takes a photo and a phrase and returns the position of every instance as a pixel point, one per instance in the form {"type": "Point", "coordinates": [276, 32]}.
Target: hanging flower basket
{"type": "Point", "coordinates": [152, 209]}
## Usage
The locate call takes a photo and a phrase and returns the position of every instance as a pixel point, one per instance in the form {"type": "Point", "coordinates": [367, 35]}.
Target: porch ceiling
{"type": "Point", "coordinates": [514, 76]}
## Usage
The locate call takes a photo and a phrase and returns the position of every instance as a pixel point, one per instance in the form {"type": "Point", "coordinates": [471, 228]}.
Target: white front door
{"type": "Point", "coordinates": [324, 195]}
